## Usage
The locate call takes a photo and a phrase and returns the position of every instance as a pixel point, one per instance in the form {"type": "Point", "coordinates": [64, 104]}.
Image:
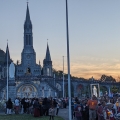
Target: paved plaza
{"type": "Point", "coordinates": [64, 113]}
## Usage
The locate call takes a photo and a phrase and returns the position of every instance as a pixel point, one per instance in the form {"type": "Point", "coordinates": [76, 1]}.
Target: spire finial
{"type": "Point", "coordinates": [7, 42]}
{"type": "Point", "coordinates": [27, 14]}
{"type": "Point", "coordinates": [27, 2]}
{"type": "Point", "coordinates": [48, 58]}
{"type": "Point", "coordinates": [47, 42]}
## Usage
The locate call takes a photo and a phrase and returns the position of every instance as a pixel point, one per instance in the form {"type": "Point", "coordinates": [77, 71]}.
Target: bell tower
{"type": "Point", "coordinates": [28, 64]}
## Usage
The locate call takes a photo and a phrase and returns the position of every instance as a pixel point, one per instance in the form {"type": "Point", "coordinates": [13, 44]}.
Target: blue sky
{"type": "Point", "coordinates": [94, 33]}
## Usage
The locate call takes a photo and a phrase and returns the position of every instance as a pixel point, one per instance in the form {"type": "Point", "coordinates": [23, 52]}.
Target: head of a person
{"type": "Point", "coordinates": [76, 99]}
{"type": "Point", "coordinates": [113, 101]}
{"type": "Point", "coordinates": [119, 99]}
{"type": "Point", "coordinates": [103, 103]}
{"type": "Point", "coordinates": [78, 103]}
{"type": "Point", "coordinates": [36, 99]}
{"type": "Point", "coordinates": [93, 97]}
{"type": "Point", "coordinates": [9, 99]}
{"type": "Point", "coordinates": [109, 106]}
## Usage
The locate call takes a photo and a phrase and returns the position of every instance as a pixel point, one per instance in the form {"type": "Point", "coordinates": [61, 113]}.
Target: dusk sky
{"type": "Point", "coordinates": [94, 33]}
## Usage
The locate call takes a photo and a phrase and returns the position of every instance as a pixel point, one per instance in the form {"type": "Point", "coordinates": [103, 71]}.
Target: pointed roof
{"type": "Point", "coordinates": [7, 53]}
{"type": "Point", "coordinates": [27, 15]}
{"type": "Point", "coordinates": [48, 57]}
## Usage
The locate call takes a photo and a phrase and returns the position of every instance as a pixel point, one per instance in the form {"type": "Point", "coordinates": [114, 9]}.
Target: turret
{"type": "Point", "coordinates": [47, 63]}
{"type": "Point", "coordinates": [7, 54]}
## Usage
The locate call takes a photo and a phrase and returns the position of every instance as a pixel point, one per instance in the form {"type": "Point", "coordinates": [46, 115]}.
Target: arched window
{"type": "Point", "coordinates": [48, 72]}
{"type": "Point", "coordinates": [29, 39]}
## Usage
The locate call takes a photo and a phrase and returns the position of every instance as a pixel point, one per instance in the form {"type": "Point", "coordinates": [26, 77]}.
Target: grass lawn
{"type": "Point", "coordinates": [26, 117]}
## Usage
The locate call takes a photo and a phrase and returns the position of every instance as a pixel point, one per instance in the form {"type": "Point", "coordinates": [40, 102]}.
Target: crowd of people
{"type": "Point", "coordinates": [36, 107]}
{"type": "Point", "coordinates": [103, 108]}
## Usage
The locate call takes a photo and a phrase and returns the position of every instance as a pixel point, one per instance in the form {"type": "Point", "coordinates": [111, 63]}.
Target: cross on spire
{"type": "Point", "coordinates": [27, 1]}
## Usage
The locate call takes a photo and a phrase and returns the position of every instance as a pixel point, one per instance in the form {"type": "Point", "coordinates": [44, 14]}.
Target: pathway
{"type": "Point", "coordinates": [64, 113]}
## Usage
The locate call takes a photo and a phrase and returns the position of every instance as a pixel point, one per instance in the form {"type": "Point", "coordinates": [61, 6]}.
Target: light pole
{"type": "Point", "coordinates": [68, 63]}
{"type": "Point", "coordinates": [63, 78]}
{"type": "Point", "coordinates": [7, 69]}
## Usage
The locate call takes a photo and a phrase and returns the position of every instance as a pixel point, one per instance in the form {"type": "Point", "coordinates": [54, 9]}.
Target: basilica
{"type": "Point", "coordinates": [31, 79]}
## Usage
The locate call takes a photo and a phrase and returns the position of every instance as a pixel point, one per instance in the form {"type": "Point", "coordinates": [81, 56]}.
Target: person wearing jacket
{"type": "Point", "coordinates": [78, 112]}
{"type": "Point", "coordinates": [52, 113]}
{"type": "Point", "coordinates": [36, 108]}
{"type": "Point", "coordinates": [9, 106]}
{"type": "Point", "coordinates": [101, 111]}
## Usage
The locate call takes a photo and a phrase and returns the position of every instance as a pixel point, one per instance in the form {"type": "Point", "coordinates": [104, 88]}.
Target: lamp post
{"type": "Point", "coordinates": [68, 64]}
{"type": "Point", "coordinates": [7, 69]}
{"type": "Point", "coordinates": [63, 78]}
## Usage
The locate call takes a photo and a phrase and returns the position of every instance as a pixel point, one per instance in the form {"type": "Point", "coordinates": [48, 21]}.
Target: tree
{"type": "Point", "coordinates": [106, 78]}
{"type": "Point", "coordinates": [114, 89]}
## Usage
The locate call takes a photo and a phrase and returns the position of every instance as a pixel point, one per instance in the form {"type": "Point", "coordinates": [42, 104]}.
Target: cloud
{"type": "Point", "coordinates": [86, 67]}
{"type": "Point", "coordinates": [91, 66]}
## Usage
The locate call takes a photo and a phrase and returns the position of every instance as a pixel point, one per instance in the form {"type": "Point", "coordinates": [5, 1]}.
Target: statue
{"type": "Point", "coordinates": [55, 94]}
{"type": "Point", "coordinates": [12, 70]}
{"type": "Point", "coordinates": [95, 91]}
{"type": "Point", "coordinates": [27, 92]}
{"type": "Point", "coordinates": [4, 95]}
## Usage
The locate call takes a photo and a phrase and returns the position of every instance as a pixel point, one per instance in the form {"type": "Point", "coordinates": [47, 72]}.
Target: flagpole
{"type": "Point", "coordinates": [63, 77]}
{"type": "Point", "coordinates": [7, 69]}
{"type": "Point", "coordinates": [68, 63]}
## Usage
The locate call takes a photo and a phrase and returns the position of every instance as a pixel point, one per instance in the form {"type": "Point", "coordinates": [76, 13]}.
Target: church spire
{"type": "Point", "coordinates": [27, 14]}
{"type": "Point", "coordinates": [28, 38]}
{"type": "Point", "coordinates": [48, 57]}
{"type": "Point", "coordinates": [47, 63]}
{"type": "Point", "coordinates": [7, 54]}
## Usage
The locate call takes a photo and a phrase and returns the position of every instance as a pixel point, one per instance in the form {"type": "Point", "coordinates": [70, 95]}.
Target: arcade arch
{"type": "Point", "coordinates": [27, 91]}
